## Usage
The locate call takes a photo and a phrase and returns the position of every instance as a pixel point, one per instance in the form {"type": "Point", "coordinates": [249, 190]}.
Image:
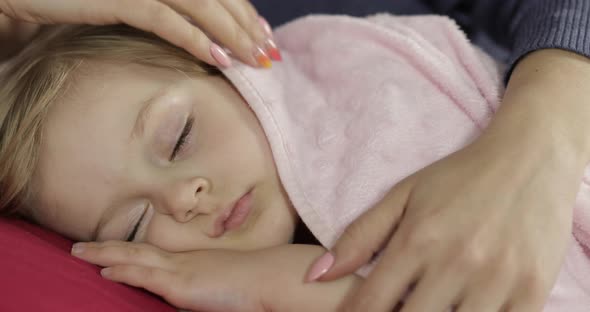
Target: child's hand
{"type": "Point", "coordinates": [218, 280]}
{"type": "Point", "coordinates": [232, 23]}
{"type": "Point", "coordinates": [211, 280]}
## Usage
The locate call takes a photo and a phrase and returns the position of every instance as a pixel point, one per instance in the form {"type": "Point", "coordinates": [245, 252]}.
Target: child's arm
{"type": "Point", "coordinates": [286, 289]}
{"type": "Point", "coordinates": [220, 280]}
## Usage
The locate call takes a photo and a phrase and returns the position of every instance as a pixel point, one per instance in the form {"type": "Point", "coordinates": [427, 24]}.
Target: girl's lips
{"type": "Point", "coordinates": [234, 216]}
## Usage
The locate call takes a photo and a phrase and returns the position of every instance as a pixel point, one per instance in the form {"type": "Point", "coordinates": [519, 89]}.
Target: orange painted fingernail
{"type": "Point", "coordinates": [262, 58]}
{"type": "Point", "coordinates": [273, 51]}
{"type": "Point", "coordinates": [320, 267]}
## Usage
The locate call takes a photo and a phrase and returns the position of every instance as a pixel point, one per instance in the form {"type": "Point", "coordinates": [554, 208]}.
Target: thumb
{"type": "Point", "coordinates": [363, 238]}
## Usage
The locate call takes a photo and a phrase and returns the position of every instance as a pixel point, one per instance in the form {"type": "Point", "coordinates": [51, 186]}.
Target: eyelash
{"type": "Point", "coordinates": [186, 131]}
{"type": "Point", "coordinates": [135, 229]}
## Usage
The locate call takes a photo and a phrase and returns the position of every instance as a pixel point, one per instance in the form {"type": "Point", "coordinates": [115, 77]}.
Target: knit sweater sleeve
{"type": "Point", "coordinates": [524, 26]}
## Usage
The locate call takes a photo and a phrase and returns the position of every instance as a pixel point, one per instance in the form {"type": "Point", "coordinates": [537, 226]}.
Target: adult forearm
{"type": "Point", "coordinates": [546, 108]}
{"type": "Point", "coordinates": [288, 290]}
{"type": "Point", "coordinates": [524, 26]}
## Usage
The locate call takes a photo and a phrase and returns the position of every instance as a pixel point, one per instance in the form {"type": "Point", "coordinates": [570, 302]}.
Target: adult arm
{"type": "Point", "coordinates": [524, 26]}
{"type": "Point", "coordinates": [486, 228]}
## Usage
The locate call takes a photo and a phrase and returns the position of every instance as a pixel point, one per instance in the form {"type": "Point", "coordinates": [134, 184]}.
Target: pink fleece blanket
{"type": "Point", "coordinates": [359, 104]}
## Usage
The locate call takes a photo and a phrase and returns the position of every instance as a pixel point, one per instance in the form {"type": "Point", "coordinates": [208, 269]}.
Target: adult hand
{"type": "Point", "coordinates": [192, 25]}
{"type": "Point", "coordinates": [486, 228]}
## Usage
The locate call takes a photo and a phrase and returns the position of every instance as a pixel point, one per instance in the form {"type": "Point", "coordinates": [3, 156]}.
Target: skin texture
{"type": "Point", "coordinates": [99, 169]}
{"type": "Point", "coordinates": [463, 233]}
{"type": "Point", "coordinates": [191, 25]}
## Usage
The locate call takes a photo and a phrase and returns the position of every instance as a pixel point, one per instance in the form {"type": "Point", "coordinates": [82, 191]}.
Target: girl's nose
{"type": "Point", "coordinates": [189, 200]}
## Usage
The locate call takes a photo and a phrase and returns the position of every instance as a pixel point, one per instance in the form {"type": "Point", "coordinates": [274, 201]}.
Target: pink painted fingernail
{"type": "Point", "coordinates": [265, 26]}
{"type": "Point", "coordinates": [320, 267]}
{"type": "Point", "coordinates": [220, 55]}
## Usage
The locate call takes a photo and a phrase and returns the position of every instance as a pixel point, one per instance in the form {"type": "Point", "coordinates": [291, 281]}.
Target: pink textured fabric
{"type": "Point", "coordinates": [359, 104]}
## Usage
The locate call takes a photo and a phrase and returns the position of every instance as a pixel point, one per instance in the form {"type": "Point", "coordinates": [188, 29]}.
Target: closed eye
{"type": "Point", "coordinates": [186, 131]}
{"type": "Point", "coordinates": [133, 233]}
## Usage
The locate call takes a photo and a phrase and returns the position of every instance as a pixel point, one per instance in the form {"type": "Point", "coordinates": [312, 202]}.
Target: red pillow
{"type": "Point", "coordinates": [37, 273]}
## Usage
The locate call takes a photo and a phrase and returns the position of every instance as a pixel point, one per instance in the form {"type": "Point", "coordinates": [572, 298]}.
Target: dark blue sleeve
{"type": "Point", "coordinates": [523, 26]}
{"type": "Point", "coordinates": [279, 12]}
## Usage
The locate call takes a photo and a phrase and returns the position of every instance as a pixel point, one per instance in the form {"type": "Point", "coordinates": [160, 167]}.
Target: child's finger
{"type": "Point", "coordinates": [118, 253]}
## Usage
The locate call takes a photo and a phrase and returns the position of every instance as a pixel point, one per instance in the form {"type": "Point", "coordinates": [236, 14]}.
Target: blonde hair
{"type": "Point", "coordinates": [35, 79]}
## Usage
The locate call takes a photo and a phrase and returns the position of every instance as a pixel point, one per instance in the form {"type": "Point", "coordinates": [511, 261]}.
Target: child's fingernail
{"type": "Point", "coordinates": [265, 26]}
{"type": "Point", "coordinates": [320, 267]}
{"type": "Point", "coordinates": [77, 248]}
{"type": "Point", "coordinates": [220, 55]}
{"type": "Point", "coordinates": [273, 51]}
{"type": "Point", "coordinates": [106, 272]}
{"type": "Point", "coordinates": [262, 58]}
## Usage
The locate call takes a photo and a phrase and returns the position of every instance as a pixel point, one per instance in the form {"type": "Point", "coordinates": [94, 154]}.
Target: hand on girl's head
{"type": "Point", "coordinates": [192, 25]}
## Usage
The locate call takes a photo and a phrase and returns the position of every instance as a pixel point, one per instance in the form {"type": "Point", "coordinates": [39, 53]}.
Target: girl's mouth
{"type": "Point", "coordinates": [234, 216]}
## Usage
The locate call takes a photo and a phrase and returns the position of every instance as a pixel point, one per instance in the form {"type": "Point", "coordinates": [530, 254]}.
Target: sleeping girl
{"type": "Point", "coordinates": [108, 134]}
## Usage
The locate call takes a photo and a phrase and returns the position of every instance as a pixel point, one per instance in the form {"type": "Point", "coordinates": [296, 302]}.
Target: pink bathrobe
{"type": "Point", "coordinates": [359, 104]}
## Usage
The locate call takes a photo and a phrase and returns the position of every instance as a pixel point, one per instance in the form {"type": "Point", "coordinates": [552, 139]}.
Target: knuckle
{"type": "Point", "coordinates": [203, 4]}
{"type": "Point", "coordinates": [422, 237]}
{"type": "Point", "coordinates": [355, 233]}
{"type": "Point", "coordinates": [471, 257]}
{"type": "Point", "coordinates": [149, 273]}
{"type": "Point", "coordinates": [239, 37]}
{"type": "Point", "coordinates": [506, 264]}
{"type": "Point", "coordinates": [157, 14]}
{"type": "Point", "coordinates": [133, 252]}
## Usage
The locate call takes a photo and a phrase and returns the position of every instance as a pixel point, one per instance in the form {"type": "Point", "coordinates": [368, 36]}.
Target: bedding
{"type": "Point", "coordinates": [38, 274]}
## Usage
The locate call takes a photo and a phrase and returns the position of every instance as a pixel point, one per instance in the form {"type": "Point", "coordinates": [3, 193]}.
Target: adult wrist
{"type": "Point", "coordinates": [547, 100]}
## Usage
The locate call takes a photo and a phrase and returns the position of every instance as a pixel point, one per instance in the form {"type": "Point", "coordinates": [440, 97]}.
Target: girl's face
{"type": "Point", "coordinates": [151, 155]}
